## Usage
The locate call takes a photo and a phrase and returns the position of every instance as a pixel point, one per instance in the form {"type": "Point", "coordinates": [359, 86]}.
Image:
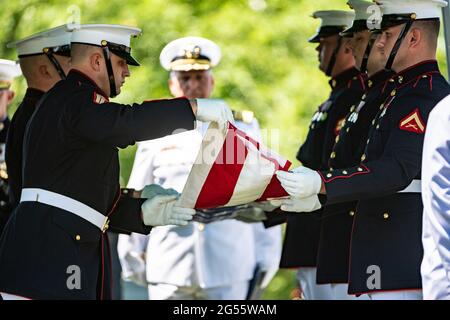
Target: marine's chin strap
{"type": "Point", "coordinates": [398, 43]}
{"type": "Point", "coordinates": [369, 47]}
{"type": "Point", "coordinates": [112, 82]}
{"type": "Point", "coordinates": [334, 57]}
{"type": "Point", "coordinates": [49, 53]}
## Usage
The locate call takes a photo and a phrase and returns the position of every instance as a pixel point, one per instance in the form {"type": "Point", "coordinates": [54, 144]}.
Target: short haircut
{"type": "Point", "coordinates": [79, 52]}
{"type": "Point", "coordinates": [431, 29]}
{"type": "Point", "coordinates": [30, 65]}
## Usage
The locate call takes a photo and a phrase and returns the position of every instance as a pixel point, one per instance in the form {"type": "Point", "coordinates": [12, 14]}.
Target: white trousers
{"type": "Point", "coordinates": [7, 296]}
{"type": "Point", "coordinates": [162, 291]}
{"type": "Point", "coordinates": [396, 295]}
{"type": "Point", "coordinates": [306, 278]}
{"type": "Point", "coordinates": [340, 292]}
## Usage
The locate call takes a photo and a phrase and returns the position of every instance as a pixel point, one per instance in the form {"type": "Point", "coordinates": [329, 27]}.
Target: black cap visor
{"type": "Point", "coordinates": [127, 56]}
{"type": "Point", "coordinates": [358, 25]}
{"type": "Point", "coordinates": [325, 32]}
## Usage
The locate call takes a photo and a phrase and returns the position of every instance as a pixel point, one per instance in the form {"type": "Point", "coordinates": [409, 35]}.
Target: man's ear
{"type": "Point", "coordinates": [213, 82]}
{"type": "Point", "coordinates": [96, 60]}
{"type": "Point", "coordinates": [174, 87]}
{"type": "Point", "coordinates": [44, 72]}
{"type": "Point", "coordinates": [416, 37]}
{"type": "Point", "coordinates": [11, 95]}
{"type": "Point", "coordinates": [347, 46]}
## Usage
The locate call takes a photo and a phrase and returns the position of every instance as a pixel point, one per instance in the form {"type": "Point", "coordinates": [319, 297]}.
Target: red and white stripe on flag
{"type": "Point", "coordinates": [232, 169]}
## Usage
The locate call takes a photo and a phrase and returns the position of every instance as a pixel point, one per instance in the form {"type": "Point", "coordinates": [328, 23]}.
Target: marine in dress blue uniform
{"type": "Point", "coordinates": [347, 86]}
{"type": "Point", "coordinates": [387, 226]}
{"type": "Point", "coordinates": [49, 49]}
{"type": "Point", "coordinates": [334, 243]}
{"type": "Point", "coordinates": [71, 193]}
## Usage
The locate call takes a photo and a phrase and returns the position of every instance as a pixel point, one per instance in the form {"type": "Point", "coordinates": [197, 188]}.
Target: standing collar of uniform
{"type": "Point", "coordinates": [345, 77]}
{"type": "Point", "coordinates": [76, 75]}
{"type": "Point", "coordinates": [33, 93]}
{"type": "Point", "coordinates": [411, 73]}
{"type": "Point", "coordinates": [379, 78]}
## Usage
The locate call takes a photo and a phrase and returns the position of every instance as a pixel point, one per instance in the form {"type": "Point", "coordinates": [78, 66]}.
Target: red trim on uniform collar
{"type": "Point", "coordinates": [415, 66]}
{"type": "Point", "coordinates": [344, 77]}
{"type": "Point", "coordinates": [423, 67]}
{"type": "Point", "coordinates": [83, 75]}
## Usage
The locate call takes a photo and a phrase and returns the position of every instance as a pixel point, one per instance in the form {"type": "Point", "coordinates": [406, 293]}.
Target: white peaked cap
{"type": "Point", "coordinates": [423, 9]}
{"type": "Point", "coordinates": [190, 53]}
{"type": "Point", "coordinates": [96, 33]}
{"type": "Point", "coordinates": [335, 18]}
{"type": "Point", "coordinates": [36, 43]}
{"type": "Point", "coordinates": [361, 8]}
{"type": "Point", "coordinates": [9, 70]}
{"type": "Point", "coordinates": [116, 37]}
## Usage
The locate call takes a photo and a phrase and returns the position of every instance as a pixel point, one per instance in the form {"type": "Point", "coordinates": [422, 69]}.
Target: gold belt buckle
{"type": "Point", "coordinates": [105, 225]}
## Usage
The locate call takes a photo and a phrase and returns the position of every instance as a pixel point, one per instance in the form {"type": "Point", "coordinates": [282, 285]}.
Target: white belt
{"type": "Point", "coordinates": [68, 204]}
{"type": "Point", "coordinates": [414, 187]}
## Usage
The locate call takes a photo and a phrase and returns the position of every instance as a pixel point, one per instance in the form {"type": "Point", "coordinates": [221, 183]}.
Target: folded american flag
{"type": "Point", "coordinates": [232, 169]}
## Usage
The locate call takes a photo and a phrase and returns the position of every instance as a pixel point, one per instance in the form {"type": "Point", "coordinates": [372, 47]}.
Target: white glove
{"type": "Point", "coordinates": [215, 110]}
{"type": "Point", "coordinates": [161, 211]}
{"type": "Point", "coordinates": [300, 182]}
{"type": "Point", "coordinates": [308, 204]}
{"type": "Point", "coordinates": [152, 190]}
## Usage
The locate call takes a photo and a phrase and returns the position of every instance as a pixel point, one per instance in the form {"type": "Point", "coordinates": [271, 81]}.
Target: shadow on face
{"type": "Point", "coordinates": [191, 84]}
{"type": "Point", "coordinates": [121, 71]}
{"type": "Point", "coordinates": [385, 43]}
{"type": "Point", "coordinates": [358, 43]}
{"type": "Point", "coordinates": [325, 50]}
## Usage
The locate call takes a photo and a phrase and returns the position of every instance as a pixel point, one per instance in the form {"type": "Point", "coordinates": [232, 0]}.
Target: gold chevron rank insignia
{"type": "Point", "coordinates": [98, 98]}
{"type": "Point", "coordinates": [413, 123]}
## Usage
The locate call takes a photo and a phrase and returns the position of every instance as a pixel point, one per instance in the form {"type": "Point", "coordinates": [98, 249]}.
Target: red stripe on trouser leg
{"type": "Point", "coordinates": [109, 295]}
{"type": "Point", "coordinates": [103, 267]}
{"type": "Point", "coordinates": [224, 173]}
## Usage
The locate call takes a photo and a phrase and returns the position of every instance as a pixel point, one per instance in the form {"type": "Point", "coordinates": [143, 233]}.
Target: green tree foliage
{"type": "Point", "coordinates": [267, 67]}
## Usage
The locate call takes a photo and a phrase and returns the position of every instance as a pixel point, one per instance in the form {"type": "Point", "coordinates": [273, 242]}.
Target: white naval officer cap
{"type": "Point", "coordinates": [8, 71]}
{"type": "Point", "coordinates": [332, 22]}
{"type": "Point", "coordinates": [56, 39]}
{"type": "Point", "coordinates": [190, 53]}
{"type": "Point", "coordinates": [367, 17]}
{"type": "Point", "coordinates": [397, 12]}
{"type": "Point", "coordinates": [116, 37]}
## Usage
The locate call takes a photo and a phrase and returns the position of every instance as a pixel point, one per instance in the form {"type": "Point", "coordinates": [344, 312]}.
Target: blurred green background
{"type": "Point", "coordinates": [267, 66]}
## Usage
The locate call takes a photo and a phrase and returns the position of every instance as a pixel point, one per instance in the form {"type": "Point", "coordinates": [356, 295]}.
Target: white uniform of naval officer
{"type": "Point", "coordinates": [197, 261]}
{"type": "Point", "coordinates": [8, 71]}
{"type": "Point", "coordinates": [435, 267]}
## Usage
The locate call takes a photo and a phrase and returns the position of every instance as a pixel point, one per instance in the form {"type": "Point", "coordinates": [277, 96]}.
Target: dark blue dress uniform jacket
{"type": "Point", "coordinates": [14, 142]}
{"type": "Point", "coordinates": [337, 221]}
{"type": "Point", "coordinates": [387, 225]}
{"type": "Point", "coordinates": [71, 147]}
{"type": "Point", "coordinates": [303, 230]}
